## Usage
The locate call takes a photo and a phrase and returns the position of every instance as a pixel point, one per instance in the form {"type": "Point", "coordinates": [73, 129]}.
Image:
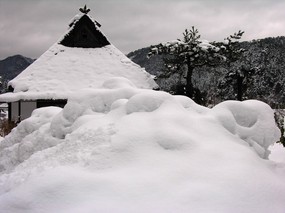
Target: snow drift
{"type": "Point", "coordinates": [123, 149]}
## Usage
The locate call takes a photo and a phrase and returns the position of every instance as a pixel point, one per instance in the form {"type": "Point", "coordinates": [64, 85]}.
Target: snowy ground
{"type": "Point", "coordinates": [123, 149]}
{"type": "Point", "coordinates": [277, 153]}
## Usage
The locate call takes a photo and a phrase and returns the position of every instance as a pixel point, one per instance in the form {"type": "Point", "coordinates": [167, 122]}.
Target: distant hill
{"type": "Point", "coordinates": [11, 67]}
{"type": "Point", "coordinates": [268, 55]}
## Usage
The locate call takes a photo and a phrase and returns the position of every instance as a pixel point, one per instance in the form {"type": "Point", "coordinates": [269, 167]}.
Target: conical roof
{"type": "Point", "coordinates": [83, 58]}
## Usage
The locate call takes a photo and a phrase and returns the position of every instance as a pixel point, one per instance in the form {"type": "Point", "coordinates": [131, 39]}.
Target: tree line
{"type": "Point", "coordinates": [186, 54]}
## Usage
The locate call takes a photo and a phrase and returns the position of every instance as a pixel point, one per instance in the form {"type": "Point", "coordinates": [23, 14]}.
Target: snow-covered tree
{"type": "Point", "coordinates": [189, 53]}
{"type": "Point", "coordinates": [232, 48]}
{"type": "Point", "coordinates": [238, 76]}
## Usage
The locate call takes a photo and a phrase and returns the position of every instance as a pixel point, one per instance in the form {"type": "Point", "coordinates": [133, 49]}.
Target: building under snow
{"type": "Point", "coordinates": [82, 58]}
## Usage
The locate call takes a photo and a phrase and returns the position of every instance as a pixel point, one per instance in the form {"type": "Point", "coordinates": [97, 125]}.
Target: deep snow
{"type": "Point", "coordinates": [277, 153]}
{"type": "Point", "coordinates": [123, 149]}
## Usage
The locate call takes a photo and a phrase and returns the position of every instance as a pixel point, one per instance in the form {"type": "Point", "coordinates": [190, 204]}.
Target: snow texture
{"type": "Point", "coordinates": [277, 153]}
{"type": "Point", "coordinates": [124, 149]}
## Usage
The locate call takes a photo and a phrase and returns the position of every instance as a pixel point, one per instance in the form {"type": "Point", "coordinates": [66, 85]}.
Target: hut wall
{"type": "Point", "coordinates": [27, 107]}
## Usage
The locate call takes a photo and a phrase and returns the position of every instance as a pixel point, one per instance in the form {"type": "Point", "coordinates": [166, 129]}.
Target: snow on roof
{"type": "Point", "coordinates": [63, 70]}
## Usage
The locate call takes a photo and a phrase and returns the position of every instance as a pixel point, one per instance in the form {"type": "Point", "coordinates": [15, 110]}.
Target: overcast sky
{"type": "Point", "coordinates": [30, 27]}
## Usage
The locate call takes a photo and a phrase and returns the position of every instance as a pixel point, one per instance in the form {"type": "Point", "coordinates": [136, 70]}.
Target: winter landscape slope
{"type": "Point", "coordinates": [122, 149]}
{"type": "Point", "coordinates": [265, 54]}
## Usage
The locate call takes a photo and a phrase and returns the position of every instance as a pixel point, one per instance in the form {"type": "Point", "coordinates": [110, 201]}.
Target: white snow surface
{"type": "Point", "coordinates": [124, 149]}
{"type": "Point", "coordinates": [61, 70]}
{"type": "Point", "coordinates": [277, 153]}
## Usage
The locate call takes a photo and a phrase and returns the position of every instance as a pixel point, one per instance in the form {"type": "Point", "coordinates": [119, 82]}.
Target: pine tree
{"type": "Point", "coordinates": [190, 52]}
{"type": "Point", "coordinates": [232, 49]}
{"type": "Point", "coordinates": [238, 76]}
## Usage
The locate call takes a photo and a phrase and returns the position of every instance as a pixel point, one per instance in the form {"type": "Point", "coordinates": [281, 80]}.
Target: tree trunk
{"type": "Point", "coordinates": [189, 85]}
{"type": "Point", "coordinates": [239, 88]}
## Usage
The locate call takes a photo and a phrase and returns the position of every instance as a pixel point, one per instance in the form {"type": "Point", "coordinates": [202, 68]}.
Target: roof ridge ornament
{"type": "Point", "coordinates": [84, 9]}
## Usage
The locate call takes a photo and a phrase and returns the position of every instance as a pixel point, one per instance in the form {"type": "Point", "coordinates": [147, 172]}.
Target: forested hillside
{"type": "Point", "coordinates": [265, 56]}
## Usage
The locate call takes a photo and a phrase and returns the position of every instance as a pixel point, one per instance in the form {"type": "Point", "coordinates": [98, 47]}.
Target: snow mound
{"type": "Point", "coordinates": [146, 102]}
{"type": "Point", "coordinates": [277, 153]}
{"type": "Point", "coordinates": [123, 149]}
{"type": "Point", "coordinates": [252, 121]}
{"type": "Point", "coordinates": [29, 137]}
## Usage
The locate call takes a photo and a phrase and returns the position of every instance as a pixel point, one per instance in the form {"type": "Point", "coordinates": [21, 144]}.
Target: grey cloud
{"type": "Point", "coordinates": [30, 27]}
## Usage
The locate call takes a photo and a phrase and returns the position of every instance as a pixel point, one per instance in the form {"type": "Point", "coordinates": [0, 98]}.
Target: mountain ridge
{"type": "Point", "coordinates": [12, 66]}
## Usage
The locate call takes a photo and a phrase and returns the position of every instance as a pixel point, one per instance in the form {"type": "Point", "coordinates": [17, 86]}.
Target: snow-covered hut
{"type": "Point", "coordinates": [82, 58]}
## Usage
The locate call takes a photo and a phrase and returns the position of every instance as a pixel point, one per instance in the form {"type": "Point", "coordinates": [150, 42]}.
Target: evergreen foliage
{"type": "Point", "coordinates": [240, 76]}
{"type": "Point", "coordinates": [232, 48]}
{"type": "Point", "coordinates": [264, 58]}
{"type": "Point", "coordinates": [184, 56]}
